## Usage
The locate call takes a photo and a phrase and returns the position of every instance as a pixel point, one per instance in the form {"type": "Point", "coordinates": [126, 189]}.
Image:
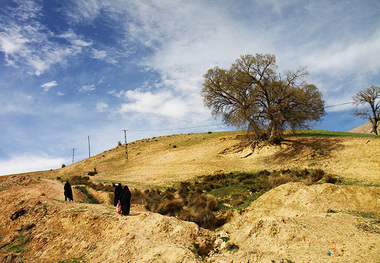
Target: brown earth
{"type": "Point", "coordinates": [365, 128]}
{"type": "Point", "coordinates": [291, 223]}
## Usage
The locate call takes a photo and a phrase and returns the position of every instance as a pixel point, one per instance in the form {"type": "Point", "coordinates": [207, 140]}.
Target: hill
{"type": "Point", "coordinates": [162, 161]}
{"type": "Point", "coordinates": [365, 128]}
{"type": "Point", "coordinates": [291, 223]}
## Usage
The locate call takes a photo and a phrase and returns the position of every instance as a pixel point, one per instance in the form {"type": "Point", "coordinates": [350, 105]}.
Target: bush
{"type": "Point", "coordinates": [77, 180]}
{"type": "Point", "coordinates": [138, 197]}
{"type": "Point", "coordinates": [170, 207]}
{"type": "Point", "coordinates": [237, 199]}
{"type": "Point", "coordinates": [206, 219]}
{"type": "Point", "coordinates": [212, 203]}
{"type": "Point", "coordinates": [330, 179]}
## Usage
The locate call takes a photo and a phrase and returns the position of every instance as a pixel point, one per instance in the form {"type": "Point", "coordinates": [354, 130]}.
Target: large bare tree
{"type": "Point", "coordinates": [253, 96]}
{"type": "Point", "coordinates": [370, 99]}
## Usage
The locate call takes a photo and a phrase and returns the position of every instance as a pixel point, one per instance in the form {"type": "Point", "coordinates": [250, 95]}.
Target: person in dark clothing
{"type": "Point", "coordinates": [68, 192]}
{"type": "Point", "coordinates": [125, 200]}
{"type": "Point", "coordinates": [118, 189]}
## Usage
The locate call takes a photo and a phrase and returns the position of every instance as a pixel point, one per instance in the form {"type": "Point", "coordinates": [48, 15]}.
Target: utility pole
{"type": "Point", "coordinates": [88, 139]}
{"type": "Point", "coordinates": [126, 145]}
{"type": "Point", "coordinates": [73, 154]}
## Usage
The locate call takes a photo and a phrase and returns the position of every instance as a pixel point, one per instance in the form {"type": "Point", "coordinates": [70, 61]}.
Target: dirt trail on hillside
{"type": "Point", "coordinates": [319, 223]}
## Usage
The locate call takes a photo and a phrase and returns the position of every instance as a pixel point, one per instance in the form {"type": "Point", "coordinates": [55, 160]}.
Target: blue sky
{"type": "Point", "coordinates": [73, 69]}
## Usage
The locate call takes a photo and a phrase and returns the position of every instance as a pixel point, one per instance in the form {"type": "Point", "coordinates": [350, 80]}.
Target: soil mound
{"type": "Point", "coordinates": [318, 223]}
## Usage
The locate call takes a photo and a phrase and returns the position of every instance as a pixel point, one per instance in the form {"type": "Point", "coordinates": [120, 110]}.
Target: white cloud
{"type": "Point", "coordinates": [99, 54]}
{"type": "Point", "coordinates": [60, 93]}
{"type": "Point", "coordinates": [101, 106]}
{"type": "Point", "coordinates": [24, 163]}
{"type": "Point", "coordinates": [11, 44]}
{"type": "Point", "coordinates": [86, 88]}
{"type": "Point", "coordinates": [116, 93]}
{"type": "Point", "coordinates": [345, 58]}
{"type": "Point", "coordinates": [25, 41]}
{"type": "Point", "coordinates": [47, 86]}
{"type": "Point", "coordinates": [161, 103]}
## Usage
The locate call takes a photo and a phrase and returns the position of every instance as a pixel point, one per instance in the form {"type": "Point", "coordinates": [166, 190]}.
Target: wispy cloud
{"type": "Point", "coordinates": [87, 88]}
{"type": "Point", "coordinates": [25, 41]}
{"type": "Point", "coordinates": [101, 106]}
{"type": "Point", "coordinates": [47, 86]}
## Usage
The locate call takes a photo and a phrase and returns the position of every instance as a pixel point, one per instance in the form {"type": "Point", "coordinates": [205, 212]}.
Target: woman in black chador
{"type": "Point", "coordinates": [68, 192]}
{"type": "Point", "coordinates": [118, 190]}
{"type": "Point", "coordinates": [125, 200]}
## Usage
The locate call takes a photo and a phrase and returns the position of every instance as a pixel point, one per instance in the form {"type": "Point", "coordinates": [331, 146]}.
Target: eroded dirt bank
{"type": "Point", "coordinates": [318, 223]}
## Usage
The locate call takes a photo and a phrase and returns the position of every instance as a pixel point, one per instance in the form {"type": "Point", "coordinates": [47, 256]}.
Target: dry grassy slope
{"type": "Point", "coordinates": [292, 222]}
{"type": "Point", "coordinates": [165, 160]}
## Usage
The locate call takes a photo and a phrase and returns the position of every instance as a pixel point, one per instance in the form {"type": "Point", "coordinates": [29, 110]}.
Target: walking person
{"type": "Point", "coordinates": [68, 192]}
{"type": "Point", "coordinates": [118, 189]}
{"type": "Point", "coordinates": [125, 200]}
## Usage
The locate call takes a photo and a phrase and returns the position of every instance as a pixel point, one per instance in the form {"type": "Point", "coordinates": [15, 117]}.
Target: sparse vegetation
{"type": "Point", "coordinates": [203, 200]}
{"type": "Point", "coordinates": [91, 199]}
{"type": "Point", "coordinates": [231, 246]}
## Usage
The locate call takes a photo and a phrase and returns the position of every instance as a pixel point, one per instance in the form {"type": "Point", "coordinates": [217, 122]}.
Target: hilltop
{"type": "Point", "coordinates": [293, 222]}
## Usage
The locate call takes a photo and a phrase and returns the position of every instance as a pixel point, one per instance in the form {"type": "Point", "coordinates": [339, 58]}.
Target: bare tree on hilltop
{"type": "Point", "coordinates": [368, 97]}
{"type": "Point", "coordinates": [253, 96]}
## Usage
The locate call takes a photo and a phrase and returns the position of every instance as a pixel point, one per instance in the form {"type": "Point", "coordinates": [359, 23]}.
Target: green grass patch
{"type": "Point", "coordinates": [91, 199]}
{"type": "Point", "coordinates": [18, 246]}
{"type": "Point", "coordinates": [367, 215]}
{"type": "Point", "coordinates": [4, 186]}
{"type": "Point", "coordinates": [326, 134]}
{"type": "Point", "coordinates": [73, 260]}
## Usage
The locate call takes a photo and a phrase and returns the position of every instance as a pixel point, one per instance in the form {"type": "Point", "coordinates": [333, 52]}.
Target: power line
{"type": "Point", "coordinates": [184, 128]}
{"type": "Point", "coordinates": [340, 104]}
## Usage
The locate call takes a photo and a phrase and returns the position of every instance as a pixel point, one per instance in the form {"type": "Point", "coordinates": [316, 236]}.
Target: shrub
{"type": "Point", "coordinates": [138, 197]}
{"type": "Point", "coordinates": [198, 202]}
{"type": "Point", "coordinates": [77, 180]}
{"type": "Point", "coordinates": [212, 203]}
{"type": "Point", "coordinates": [319, 173]}
{"type": "Point", "coordinates": [231, 246]}
{"type": "Point", "coordinates": [188, 215]}
{"type": "Point", "coordinates": [170, 207]}
{"type": "Point", "coordinates": [223, 218]}
{"type": "Point", "coordinates": [206, 219]}
{"type": "Point", "coordinates": [249, 181]}
{"type": "Point", "coordinates": [330, 179]}
{"type": "Point", "coordinates": [237, 199]}
{"type": "Point", "coordinates": [279, 180]}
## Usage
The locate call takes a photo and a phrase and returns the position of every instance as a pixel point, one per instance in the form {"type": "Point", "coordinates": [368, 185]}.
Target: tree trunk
{"type": "Point", "coordinates": [276, 133]}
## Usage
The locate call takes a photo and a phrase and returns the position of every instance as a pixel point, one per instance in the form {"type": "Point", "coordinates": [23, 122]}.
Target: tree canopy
{"type": "Point", "coordinates": [253, 96]}
{"type": "Point", "coordinates": [369, 97]}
